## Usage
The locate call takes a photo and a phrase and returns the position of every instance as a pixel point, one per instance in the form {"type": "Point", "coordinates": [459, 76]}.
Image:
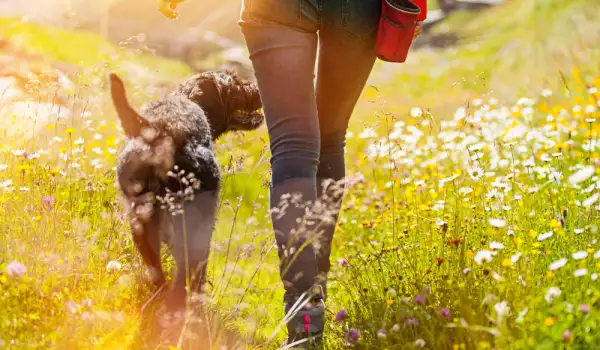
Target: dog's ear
{"type": "Point", "coordinates": [131, 121]}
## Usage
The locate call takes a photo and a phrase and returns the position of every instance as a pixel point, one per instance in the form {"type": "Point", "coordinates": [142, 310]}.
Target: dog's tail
{"type": "Point", "coordinates": [131, 121]}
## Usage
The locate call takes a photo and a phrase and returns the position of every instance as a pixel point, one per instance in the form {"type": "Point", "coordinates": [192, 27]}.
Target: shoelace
{"type": "Point", "coordinates": [306, 323]}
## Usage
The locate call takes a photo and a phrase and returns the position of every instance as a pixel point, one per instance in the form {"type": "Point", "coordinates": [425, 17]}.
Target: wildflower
{"type": "Point", "coordinates": [557, 264]}
{"type": "Point", "coordinates": [343, 262]}
{"type": "Point", "coordinates": [352, 336]}
{"type": "Point", "coordinates": [72, 306]}
{"type": "Point", "coordinates": [521, 316]}
{"type": "Point", "coordinates": [496, 245]}
{"type": "Point", "coordinates": [578, 231]}
{"type": "Point", "coordinates": [584, 308]}
{"type": "Point", "coordinates": [546, 93]}
{"type": "Point", "coordinates": [476, 172]}
{"type": "Point", "coordinates": [483, 256]}
{"type": "Point", "coordinates": [368, 133]}
{"type": "Point", "coordinates": [113, 266]}
{"type": "Point", "coordinates": [493, 193]}
{"type": "Point", "coordinates": [580, 272]}
{"type": "Point", "coordinates": [515, 257]}
{"type": "Point", "coordinates": [549, 321]}
{"type": "Point", "coordinates": [341, 315]}
{"type": "Point", "coordinates": [552, 294]}
{"type": "Point", "coordinates": [396, 328]}
{"type": "Point", "coordinates": [411, 322]}
{"type": "Point", "coordinates": [545, 236]}
{"type": "Point", "coordinates": [498, 223]}
{"type": "Point", "coordinates": [15, 269]}
{"type": "Point", "coordinates": [444, 312]}
{"type": "Point", "coordinates": [567, 336]}
{"type": "Point", "coordinates": [594, 276]}
{"type": "Point", "coordinates": [420, 343]}
{"type": "Point", "coordinates": [419, 299]}
{"type": "Point", "coordinates": [48, 202]}
{"type": "Point", "coordinates": [590, 201]}
{"type": "Point", "coordinates": [416, 112]}
{"type": "Point", "coordinates": [582, 175]}
{"type": "Point", "coordinates": [463, 191]}
{"type": "Point", "coordinates": [381, 334]}
{"type": "Point", "coordinates": [502, 310]}
{"type": "Point", "coordinates": [582, 254]}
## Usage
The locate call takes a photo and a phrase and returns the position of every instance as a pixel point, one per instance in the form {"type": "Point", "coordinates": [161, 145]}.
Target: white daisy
{"type": "Point", "coordinates": [498, 223]}
{"type": "Point", "coordinates": [590, 201]}
{"type": "Point", "coordinates": [483, 256]}
{"type": "Point", "coordinates": [552, 294]}
{"type": "Point", "coordinates": [582, 175]}
{"type": "Point", "coordinates": [557, 264]}
{"type": "Point", "coordinates": [496, 245]}
{"type": "Point", "coordinates": [545, 236]}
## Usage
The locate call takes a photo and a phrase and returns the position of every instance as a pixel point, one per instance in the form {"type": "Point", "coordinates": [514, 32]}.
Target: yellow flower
{"type": "Point", "coordinates": [549, 274]}
{"type": "Point", "coordinates": [390, 302]}
{"type": "Point", "coordinates": [549, 321]}
{"type": "Point", "coordinates": [70, 131]}
{"type": "Point", "coordinates": [506, 262]}
{"type": "Point", "coordinates": [555, 223]}
{"type": "Point", "coordinates": [532, 233]}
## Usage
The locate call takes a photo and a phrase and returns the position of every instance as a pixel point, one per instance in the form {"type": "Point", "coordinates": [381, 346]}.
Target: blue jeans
{"type": "Point", "coordinates": [307, 123]}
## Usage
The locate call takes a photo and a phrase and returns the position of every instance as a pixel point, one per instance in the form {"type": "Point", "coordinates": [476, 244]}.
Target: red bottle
{"type": "Point", "coordinates": [397, 28]}
{"type": "Point", "coordinates": [423, 6]}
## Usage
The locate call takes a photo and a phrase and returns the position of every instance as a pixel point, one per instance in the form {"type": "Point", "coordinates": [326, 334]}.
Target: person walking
{"type": "Point", "coordinates": [307, 123]}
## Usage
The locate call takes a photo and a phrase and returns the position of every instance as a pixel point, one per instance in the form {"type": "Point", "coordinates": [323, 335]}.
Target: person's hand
{"type": "Point", "coordinates": [167, 8]}
{"type": "Point", "coordinates": [418, 29]}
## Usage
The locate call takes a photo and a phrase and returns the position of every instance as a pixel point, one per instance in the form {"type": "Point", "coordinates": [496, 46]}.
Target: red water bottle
{"type": "Point", "coordinates": [423, 6]}
{"type": "Point", "coordinates": [397, 28]}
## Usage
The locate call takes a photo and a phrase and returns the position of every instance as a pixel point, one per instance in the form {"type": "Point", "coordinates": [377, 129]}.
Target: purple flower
{"type": "Point", "coordinates": [343, 262]}
{"type": "Point", "coordinates": [427, 290]}
{"type": "Point", "coordinates": [411, 322]}
{"type": "Point", "coordinates": [15, 269]}
{"type": "Point", "coordinates": [419, 299]}
{"type": "Point", "coordinates": [48, 202]}
{"type": "Point", "coordinates": [352, 336]}
{"type": "Point", "coordinates": [341, 315]}
{"type": "Point", "coordinates": [444, 312]}
{"type": "Point", "coordinates": [585, 308]}
{"type": "Point", "coordinates": [567, 336]}
{"type": "Point", "coordinates": [381, 334]}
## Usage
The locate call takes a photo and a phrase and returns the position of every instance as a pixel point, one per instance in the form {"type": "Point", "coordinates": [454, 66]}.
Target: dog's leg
{"type": "Point", "coordinates": [146, 237]}
{"type": "Point", "coordinates": [191, 246]}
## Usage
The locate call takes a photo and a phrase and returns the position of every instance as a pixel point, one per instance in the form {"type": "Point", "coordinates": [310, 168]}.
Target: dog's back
{"type": "Point", "coordinates": [168, 168]}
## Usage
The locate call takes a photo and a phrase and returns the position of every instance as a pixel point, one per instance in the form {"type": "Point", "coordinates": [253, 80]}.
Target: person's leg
{"type": "Point", "coordinates": [283, 57]}
{"type": "Point", "coordinates": [346, 58]}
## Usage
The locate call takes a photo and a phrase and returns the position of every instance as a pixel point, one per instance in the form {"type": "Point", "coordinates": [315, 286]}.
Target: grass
{"type": "Point", "coordinates": [428, 252]}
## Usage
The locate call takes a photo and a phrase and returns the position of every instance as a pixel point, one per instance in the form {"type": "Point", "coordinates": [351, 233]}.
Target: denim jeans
{"type": "Point", "coordinates": [307, 122]}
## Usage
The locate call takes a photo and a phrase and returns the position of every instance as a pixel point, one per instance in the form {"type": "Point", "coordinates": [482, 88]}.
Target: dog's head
{"type": "Point", "coordinates": [229, 102]}
{"type": "Point", "coordinates": [148, 155]}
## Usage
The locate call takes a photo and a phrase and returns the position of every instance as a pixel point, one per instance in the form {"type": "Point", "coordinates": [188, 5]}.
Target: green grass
{"type": "Point", "coordinates": [411, 227]}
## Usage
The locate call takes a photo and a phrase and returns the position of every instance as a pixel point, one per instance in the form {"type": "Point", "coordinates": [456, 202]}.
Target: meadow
{"type": "Point", "coordinates": [470, 219]}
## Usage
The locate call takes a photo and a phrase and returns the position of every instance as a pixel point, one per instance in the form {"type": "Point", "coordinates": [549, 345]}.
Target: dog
{"type": "Point", "coordinates": [167, 172]}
